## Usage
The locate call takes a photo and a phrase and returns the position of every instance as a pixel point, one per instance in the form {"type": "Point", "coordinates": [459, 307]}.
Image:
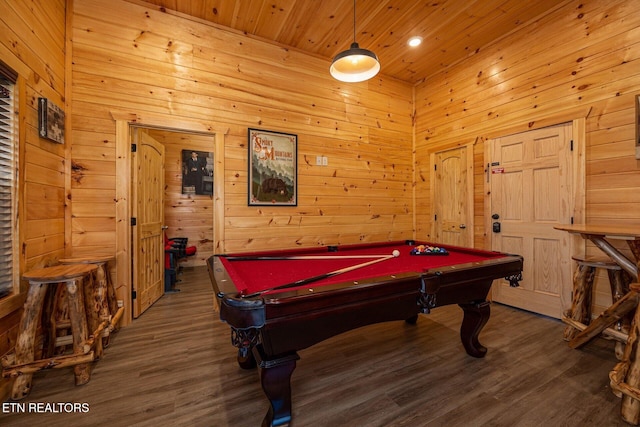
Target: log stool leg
{"type": "Point", "coordinates": [94, 302]}
{"type": "Point", "coordinates": [100, 298]}
{"type": "Point", "coordinates": [619, 281]}
{"type": "Point", "coordinates": [106, 295]}
{"type": "Point", "coordinates": [625, 376]}
{"type": "Point", "coordinates": [112, 298]}
{"type": "Point", "coordinates": [49, 323]}
{"type": "Point", "coordinates": [25, 344]}
{"type": "Point", "coordinates": [78, 327]}
{"type": "Point", "coordinates": [580, 310]}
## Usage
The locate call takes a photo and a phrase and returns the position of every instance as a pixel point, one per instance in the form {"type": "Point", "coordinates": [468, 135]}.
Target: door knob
{"type": "Point", "coordinates": [463, 226]}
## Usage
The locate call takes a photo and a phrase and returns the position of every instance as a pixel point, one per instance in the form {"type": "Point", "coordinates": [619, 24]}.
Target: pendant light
{"type": "Point", "coordinates": [355, 64]}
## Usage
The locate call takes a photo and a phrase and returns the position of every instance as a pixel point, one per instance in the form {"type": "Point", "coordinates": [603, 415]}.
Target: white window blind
{"type": "Point", "coordinates": [8, 143]}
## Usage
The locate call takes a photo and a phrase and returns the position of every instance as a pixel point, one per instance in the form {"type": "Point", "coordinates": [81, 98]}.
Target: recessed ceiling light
{"type": "Point", "coordinates": [414, 41]}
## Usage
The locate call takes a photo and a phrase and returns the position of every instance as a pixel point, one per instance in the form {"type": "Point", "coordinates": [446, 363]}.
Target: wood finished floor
{"type": "Point", "coordinates": [175, 366]}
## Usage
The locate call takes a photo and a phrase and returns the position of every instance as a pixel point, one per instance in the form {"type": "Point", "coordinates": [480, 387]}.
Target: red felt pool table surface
{"type": "Point", "coordinates": [258, 275]}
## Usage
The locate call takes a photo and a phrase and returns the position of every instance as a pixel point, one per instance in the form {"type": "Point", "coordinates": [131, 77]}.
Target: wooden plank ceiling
{"type": "Point", "coordinates": [452, 29]}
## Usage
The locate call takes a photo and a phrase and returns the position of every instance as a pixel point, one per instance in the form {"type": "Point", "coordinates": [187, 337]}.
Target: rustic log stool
{"type": "Point", "coordinates": [580, 311]}
{"type": "Point", "coordinates": [101, 302]}
{"type": "Point", "coordinates": [72, 277]}
{"type": "Point", "coordinates": [625, 376]}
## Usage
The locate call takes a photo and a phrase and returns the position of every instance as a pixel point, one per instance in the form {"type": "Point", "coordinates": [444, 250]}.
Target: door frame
{"type": "Point", "coordinates": [577, 245]}
{"type": "Point", "coordinates": [469, 203]}
{"type": "Point", "coordinates": [125, 121]}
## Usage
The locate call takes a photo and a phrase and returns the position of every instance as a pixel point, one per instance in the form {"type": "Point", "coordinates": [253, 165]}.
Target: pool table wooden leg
{"type": "Point", "coordinates": [412, 320]}
{"type": "Point", "coordinates": [476, 315]}
{"type": "Point", "coordinates": [275, 377]}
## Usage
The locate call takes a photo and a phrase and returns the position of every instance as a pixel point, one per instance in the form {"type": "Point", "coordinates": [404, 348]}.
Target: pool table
{"type": "Point", "coordinates": [279, 302]}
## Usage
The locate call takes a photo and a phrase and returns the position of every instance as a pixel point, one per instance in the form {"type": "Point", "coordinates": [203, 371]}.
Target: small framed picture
{"type": "Point", "coordinates": [50, 121]}
{"type": "Point", "coordinates": [273, 168]}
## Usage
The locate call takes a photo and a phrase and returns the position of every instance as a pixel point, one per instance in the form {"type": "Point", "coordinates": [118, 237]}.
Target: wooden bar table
{"type": "Point", "coordinates": [625, 376]}
{"type": "Point", "coordinates": [72, 277]}
{"type": "Point", "coordinates": [601, 234]}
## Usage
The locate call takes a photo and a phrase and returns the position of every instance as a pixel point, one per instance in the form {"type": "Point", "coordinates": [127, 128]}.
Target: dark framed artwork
{"type": "Point", "coordinates": [273, 168]}
{"type": "Point", "coordinates": [197, 172]}
{"type": "Point", "coordinates": [50, 121]}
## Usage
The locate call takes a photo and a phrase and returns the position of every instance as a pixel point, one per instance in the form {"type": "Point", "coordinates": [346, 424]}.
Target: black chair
{"type": "Point", "coordinates": [176, 249]}
{"type": "Point", "coordinates": [170, 269]}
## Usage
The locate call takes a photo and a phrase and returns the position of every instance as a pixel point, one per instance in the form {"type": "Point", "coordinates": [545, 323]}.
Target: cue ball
{"type": "Point", "coordinates": [395, 253]}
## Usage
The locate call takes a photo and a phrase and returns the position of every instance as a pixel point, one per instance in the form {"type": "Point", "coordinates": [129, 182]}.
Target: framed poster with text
{"type": "Point", "coordinates": [273, 168]}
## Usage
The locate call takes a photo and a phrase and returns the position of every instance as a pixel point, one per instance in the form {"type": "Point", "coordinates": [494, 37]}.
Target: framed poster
{"type": "Point", "coordinates": [273, 168]}
{"type": "Point", "coordinates": [197, 172]}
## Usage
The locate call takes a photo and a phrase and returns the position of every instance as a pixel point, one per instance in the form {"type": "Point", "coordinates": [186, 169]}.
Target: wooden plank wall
{"type": "Point", "coordinates": [133, 58]}
{"type": "Point", "coordinates": [581, 59]}
{"type": "Point", "coordinates": [32, 42]}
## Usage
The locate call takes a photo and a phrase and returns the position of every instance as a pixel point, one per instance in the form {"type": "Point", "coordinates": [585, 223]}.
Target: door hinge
{"type": "Point", "coordinates": [435, 217]}
{"type": "Point", "coordinates": [134, 148]}
{"type": "Point", "coordinates": [435, 167]}
{"type": "Point", "coordinates": [571, 145]}
{"type": "Point", "coordinates": [571, 220]}
{"type": "Point", "coordinates": [134, 295]}
{"type": "Point", "coordinates": [133, 221]}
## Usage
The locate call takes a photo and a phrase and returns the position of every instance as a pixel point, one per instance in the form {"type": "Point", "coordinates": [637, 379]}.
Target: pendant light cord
{"type": "Point", "coordinates": [354, 21]}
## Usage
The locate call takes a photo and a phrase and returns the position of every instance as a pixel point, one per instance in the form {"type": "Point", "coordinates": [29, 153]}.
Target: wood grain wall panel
{"type": "Point", "coordinates": [32, 41]}
{"type": "Point", "coordinates": [82, 225]}
{"type": "Point", "coordinates": [36, 40]}
{"type": "Point", "coordinates": [584, 56]}
{"type": "Point", "coordinates": [39, 156]}
{"type": "Point", "coordinates": [131, 58]}
{"type": "Point", "coordinates": [43, 227]}
{"type": "Point", "coordinates": [81, 180]}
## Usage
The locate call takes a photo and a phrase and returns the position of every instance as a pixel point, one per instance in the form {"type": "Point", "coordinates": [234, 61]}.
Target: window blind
{"type": "Point", "coordinates": [7, 184]}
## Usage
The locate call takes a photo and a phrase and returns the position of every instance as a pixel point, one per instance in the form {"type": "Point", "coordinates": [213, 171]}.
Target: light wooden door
{"type": "Point", "coordinates": [530, 180]}
{"type": "Point", "coordinates": [147, 210]}
{"type": "Point", "coordinates": [452, 196]}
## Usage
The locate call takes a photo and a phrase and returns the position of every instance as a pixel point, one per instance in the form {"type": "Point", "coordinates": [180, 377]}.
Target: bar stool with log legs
{"type": "Point", "coordinates": [625, 376]}
{"type": "Point", "coordinates": [579, 315]}
{"type": "Point", "coordinates": [100, 300]}
{"type": "Point", "coordinates": [25, 363]}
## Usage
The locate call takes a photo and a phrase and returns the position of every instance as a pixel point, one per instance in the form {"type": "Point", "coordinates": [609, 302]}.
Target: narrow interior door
{"type": "Point", "coordinates": [148, 214]}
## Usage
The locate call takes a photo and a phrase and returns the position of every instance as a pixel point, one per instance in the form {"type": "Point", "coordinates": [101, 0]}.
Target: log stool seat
{"type": "Point", "coordinates": [24, 363]}
{"type": "Point", "coordinates": [101, 302]}
{"type": "Point", "coordinates": [579, 315]}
